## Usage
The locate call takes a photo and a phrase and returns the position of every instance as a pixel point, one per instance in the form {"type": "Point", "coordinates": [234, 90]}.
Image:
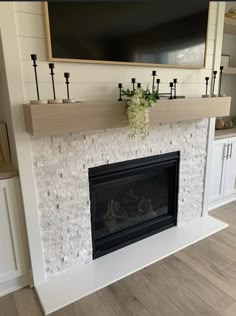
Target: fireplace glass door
{"type": "Point", "coordinates": [132, 200]}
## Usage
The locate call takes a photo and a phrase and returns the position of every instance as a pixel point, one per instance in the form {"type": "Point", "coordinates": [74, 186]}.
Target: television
{"type": "Point", "coordinates": [140, 32]}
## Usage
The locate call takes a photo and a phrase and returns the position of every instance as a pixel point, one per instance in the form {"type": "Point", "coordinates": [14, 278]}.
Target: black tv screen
{"type": "Point", "coordinates": [171, 32]}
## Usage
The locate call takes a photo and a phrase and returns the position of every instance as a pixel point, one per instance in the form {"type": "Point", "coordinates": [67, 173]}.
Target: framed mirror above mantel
{"type": "Point", "coordinates": [132, 32]}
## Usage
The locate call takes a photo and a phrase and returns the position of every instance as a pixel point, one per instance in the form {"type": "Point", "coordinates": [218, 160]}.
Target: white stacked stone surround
{"type": "Point", "coordinates": [61, 166]}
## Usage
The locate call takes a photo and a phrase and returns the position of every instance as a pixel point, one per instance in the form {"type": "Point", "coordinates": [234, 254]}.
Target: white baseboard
{"type": "Point", "coordinates": [70, 286]}
{"type": "Point", "coordinates": [13, 285]}
{"type": "Point", "coordinates": [221, 202]}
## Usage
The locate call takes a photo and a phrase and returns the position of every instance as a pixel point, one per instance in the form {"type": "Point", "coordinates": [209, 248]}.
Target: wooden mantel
{"type": "Point", "coordinates": [51, 119]}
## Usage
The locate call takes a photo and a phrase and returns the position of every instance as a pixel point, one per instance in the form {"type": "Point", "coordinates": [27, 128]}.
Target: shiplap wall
{"type": "Point", "coordinates": [96, 81]}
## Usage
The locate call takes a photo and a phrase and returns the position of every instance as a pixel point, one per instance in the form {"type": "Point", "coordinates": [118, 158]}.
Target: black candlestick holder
{"type": "Point", "coordinates": [213, 84]}
{"type": "Point", "coordinates": [54, 100]}
{"type": "Point", "coordinates": [120, 91]}
{"type": "Point", "coordinates": [139, 85]}
{"type": "Point", "coordinates": [133, 80]}
{"type": "Point", "coordinates": [68, 100]}
{"type": "Point", "coordinates": [220, 82]}
{"type": "Point", "coordinates": [158, 87]}
{"type": "Point", "coordinates": [174, 86]}
{"type": "Point", "coordinates": [153, 80]}
{"type": "Point", "coordinates": [207, 83]}
{"type": "Point", "coordinates": [38, 101]}
{"type": "Point", "coordinates": [171, 90]}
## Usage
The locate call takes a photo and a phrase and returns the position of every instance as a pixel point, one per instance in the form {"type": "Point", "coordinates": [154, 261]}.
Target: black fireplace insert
{"type": "Point", "coordinates": [132, 200]}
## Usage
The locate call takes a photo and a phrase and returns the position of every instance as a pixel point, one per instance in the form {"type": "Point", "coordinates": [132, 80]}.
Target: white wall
{"type": "Point", "coordinates": [229, 48]}
{"type": "Point", "coordinates": [22, 32]}
{"type": "Point", "coordinates": [228, 87]}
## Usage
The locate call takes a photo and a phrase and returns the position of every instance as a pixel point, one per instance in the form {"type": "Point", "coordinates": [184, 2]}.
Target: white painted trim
{"type": "Point", "coordinates": [16, 99]}
{"type": "Point", "coordinates": [13, 285]}
{"type": "Point", "coordinates": [221, 202]}
{"type": "Point", "coordinates": [211, 131]}
{"type": "Point", "coordinates": [83, 280]}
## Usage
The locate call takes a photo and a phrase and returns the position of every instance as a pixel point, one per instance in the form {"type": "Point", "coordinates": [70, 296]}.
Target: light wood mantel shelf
{"type": "Point", "coordinates": [51, 119]}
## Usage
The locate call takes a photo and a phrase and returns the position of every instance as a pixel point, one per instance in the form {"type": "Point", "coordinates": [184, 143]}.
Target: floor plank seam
{"type": "Point", "coordinates": [189, 289]}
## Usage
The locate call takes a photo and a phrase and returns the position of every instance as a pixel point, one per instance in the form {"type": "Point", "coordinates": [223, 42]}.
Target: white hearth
{"type": "Point", "coordinates": [81, 281]}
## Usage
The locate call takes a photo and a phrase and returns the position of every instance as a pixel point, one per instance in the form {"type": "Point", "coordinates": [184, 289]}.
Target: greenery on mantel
{"type": "Point", "coordinates": [139, 103]}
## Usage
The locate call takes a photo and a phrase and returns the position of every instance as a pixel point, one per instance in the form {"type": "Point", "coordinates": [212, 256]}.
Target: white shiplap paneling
{"type": "Point", "coordinates": [29, 24]}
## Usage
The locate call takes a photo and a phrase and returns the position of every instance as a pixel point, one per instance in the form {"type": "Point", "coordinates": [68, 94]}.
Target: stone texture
{"type": "Point", "coordinates": [61, 173]}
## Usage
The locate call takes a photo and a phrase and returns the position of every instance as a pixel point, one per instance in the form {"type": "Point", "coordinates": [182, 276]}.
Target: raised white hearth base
{"type": "Point", "coordinates": [80, 281]}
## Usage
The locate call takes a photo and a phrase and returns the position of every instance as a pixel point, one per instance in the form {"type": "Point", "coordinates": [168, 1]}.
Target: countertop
{"type": "Point", "coordinates": [7, 170]}
{"type": "Point", "coordinates": [225, 133]}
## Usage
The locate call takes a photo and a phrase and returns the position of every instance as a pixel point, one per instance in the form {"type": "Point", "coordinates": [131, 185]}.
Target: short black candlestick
{"type": "Point", "coordinates": [120, 87]}
{"type": "Point", "coordinates": [34, 58]}
{"type": "Point", "coordinates": [51, 66]}
{"type": "Point", "coordinates": [153, 80]}
{"type": "Point", "coordinates": [138, 85]}
{"type": "Point", "coordinates": [175, 82]}
{"type": "Point", "coordinates": [67, 76]}
{"type": "Point", "coordinates": [220, 79]}
{"type": "Point", "coordinates": [207, 80]}
{"type": "Point", "coordinates": [133, 80]}
{"type": "Point", "coordinates": [171, 88]}
{"type": "Point", "coordinates": [214, 80]}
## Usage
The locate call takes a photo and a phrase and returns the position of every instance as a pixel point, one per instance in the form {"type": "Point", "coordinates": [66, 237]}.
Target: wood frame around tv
{"type": "Point", "coordinates": [51, 58]}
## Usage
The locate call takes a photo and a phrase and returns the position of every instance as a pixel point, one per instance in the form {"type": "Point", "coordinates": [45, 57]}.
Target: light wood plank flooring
{"type": "Point", "coordinates": [199, 280]}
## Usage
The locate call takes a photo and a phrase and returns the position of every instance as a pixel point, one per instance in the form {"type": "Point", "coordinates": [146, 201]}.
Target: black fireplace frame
{"type": "Point", "coordinates": [168, 160]}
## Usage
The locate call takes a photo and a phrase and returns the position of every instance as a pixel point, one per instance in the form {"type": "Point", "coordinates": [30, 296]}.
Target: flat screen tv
{"type": "Point", "coordinates": [145, 32]}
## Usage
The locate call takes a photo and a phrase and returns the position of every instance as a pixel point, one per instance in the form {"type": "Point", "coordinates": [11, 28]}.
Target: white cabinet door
{"type": "Point", "coordinates": [230, 170]}
{"type": "Point", "coordinates": [217, 169]}
{"type": "Point", "coordinates": [12, 242]}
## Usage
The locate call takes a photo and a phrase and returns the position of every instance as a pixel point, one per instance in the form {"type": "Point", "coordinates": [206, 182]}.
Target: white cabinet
{"type": "Point", "coordinates": [217, 169]}
{"type": "Point", "coordinates": [13, 263]}
{"type": "Point", "coordinates": [230, 170]}
{"type": "Point", "coordinates": [223, 171]}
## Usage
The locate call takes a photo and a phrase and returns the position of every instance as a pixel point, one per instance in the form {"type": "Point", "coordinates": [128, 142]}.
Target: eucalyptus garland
{"type": "Point", "coordinates": [138, 105]}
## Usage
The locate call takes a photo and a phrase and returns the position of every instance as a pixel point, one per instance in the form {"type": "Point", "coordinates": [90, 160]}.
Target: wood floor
{"type": "Point", "coordinates": [199, 280]}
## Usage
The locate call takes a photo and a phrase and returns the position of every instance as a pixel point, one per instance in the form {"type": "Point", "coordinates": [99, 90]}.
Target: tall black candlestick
{"type": "Point", "coordinates": [34, 58]}
{"type": "Point", "coordinates": [51, 66]}
{"type": "Point", "coordinates": [171, 88]}
{"type": "Point", "coordinates": [133, 80]}
{"type": "Point", "coordinates": [175, 82]}
{"type": "Point", "coordinates": [207, 80]}
{"type": "Point", "coordinates": [213, 84]}
{"type": "Point", "coordinates": [220, 79]}
{"type": "Point", "coordinates": [120, 87]}
{"type": "Point", "coordinates": [158, 86]}
{"type": "Point", "coordinates": [67, 76]}
{"type": "Point", "coordinates": [153, 80]}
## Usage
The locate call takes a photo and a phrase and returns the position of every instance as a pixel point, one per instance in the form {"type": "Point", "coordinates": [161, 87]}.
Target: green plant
{"type": "Point", "coordinates": [139, 103]}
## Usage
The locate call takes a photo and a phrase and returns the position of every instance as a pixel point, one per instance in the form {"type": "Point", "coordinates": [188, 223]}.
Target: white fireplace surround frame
{"type": "Point", "coordinates": [61, 166]}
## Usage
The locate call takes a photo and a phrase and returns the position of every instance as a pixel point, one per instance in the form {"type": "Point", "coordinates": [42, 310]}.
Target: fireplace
{"type": "Point", "coordinates": [132, 200]}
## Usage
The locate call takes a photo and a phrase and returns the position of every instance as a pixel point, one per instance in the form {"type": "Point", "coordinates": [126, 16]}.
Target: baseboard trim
{"type": "Point", "coordinates": [13, 285]}
{"type": "Point", "coordinates": [222, 202]}
{"type": "Point", "coordinates": [79, 282]}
